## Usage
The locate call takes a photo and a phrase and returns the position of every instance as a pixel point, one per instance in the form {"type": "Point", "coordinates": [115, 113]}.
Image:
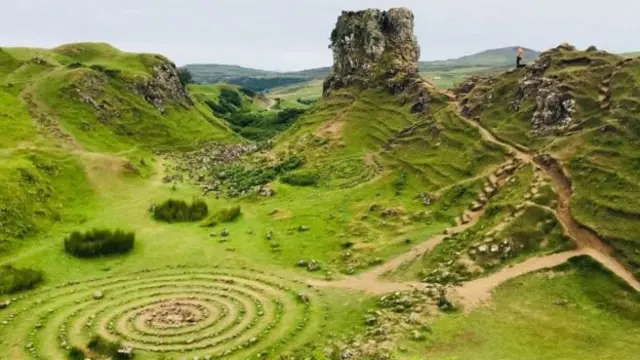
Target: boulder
{"type": "Point", "coordinates": [98, 295]}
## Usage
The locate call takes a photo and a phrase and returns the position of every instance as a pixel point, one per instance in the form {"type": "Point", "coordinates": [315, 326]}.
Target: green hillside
{"type": "Point", "coordinates": [595, 148]}
{"type": "Point", "coordinates": [65, 109]}
{"type": "Point", "coordinates": [374, 216]}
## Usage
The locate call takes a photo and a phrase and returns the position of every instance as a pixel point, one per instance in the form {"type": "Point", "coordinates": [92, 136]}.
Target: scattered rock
{"type": "Point", "coordinates": [303, 228]}
{"type": "Point", "coordinates": [98, 295]}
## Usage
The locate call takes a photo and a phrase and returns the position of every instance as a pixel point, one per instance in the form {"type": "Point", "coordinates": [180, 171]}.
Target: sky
{"type": "Point", "coordinates": [293, 34]}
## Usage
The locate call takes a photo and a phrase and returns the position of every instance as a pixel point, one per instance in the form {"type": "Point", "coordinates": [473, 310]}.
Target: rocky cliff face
{"type": "Point", "coordinates": [164, 86]}
{"type": "Point", "coordinates": [378, 49]}
{"type": "Point", "coordinates": [371, 47]}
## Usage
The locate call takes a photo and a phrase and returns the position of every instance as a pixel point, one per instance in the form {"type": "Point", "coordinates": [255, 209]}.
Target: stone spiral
{"type": "Point", "coordinates": [180, 312]}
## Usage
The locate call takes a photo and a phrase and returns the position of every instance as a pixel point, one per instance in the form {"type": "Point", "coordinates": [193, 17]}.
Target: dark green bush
{"type": "Point", "coordinates": [301, 178]}
{"type": "Point", "coordinates": [113, 73]}
{"type": "Point", "coordinates": [400, 183]}
{"type": "Point", "coordinates": [13, 280]}
{"type": "Point", "coordinates": [185, 76]}
{"type": "Point", "coordinates": [180, 211]}
{"type": "Point", "coordinates": [231, 97]}
{"type": "Point", "coordinates": [99, 242]}
{"type": "Point", "coordinates": [75, 65]}
{"type": "Point", "coordinates": [248, 92]}
{"type": "Point", "coordinates": [76, 354]}
{"type": "Point", "coordinates": [106, 348]}
{"type": "Point", "coordinates": [291, 163]}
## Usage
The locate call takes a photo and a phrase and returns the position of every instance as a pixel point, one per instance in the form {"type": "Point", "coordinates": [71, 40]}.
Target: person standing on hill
{"type": "Point", "coordinates": [519, 56]}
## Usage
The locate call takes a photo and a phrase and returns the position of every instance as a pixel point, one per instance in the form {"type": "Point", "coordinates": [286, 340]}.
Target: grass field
{"type": "Point", "coordinates": [371, 181]}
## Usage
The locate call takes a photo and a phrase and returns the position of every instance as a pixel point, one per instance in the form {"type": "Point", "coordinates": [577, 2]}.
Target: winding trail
{"type": "Point", "coordinates": [477, 291]}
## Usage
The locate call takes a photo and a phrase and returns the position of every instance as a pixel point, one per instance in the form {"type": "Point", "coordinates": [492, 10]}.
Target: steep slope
{"type": "Point", "coordinates": [580, 107]}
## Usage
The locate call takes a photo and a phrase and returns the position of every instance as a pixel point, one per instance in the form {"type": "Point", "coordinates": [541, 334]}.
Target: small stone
{"type": "Point", "coordinates": [97, 295]}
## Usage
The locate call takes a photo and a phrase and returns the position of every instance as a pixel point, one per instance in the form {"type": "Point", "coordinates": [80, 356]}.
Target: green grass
{"type": "Point", "coordinates": [527, 321]}
{"type": "Point", "coordinates": [599, 155]}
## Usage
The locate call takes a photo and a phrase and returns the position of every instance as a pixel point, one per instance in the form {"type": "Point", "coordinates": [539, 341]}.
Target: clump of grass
{"type": "Point", "coordinates": [180, 211]}
{"type": "Point", "coordinates": [301, 178]}
{"type": "Point", "coordinates": [13, 279]}
{"type": "Point", "coordinates": [107, 348]}
{"type": "Point", "coordinates": [99, 242]}
{"type": "Point", "coordinates": [223, 216]}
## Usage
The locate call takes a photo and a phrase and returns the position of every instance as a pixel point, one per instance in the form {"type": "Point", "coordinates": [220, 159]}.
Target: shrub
{"type": "Point", "coordinates": [248, 92]}
{"type": "Point", "coordinates": [180, 211]}
{"type": "Point", "coordinates": [400, 183]}
{"type": "Point", "coordinates": [291, 163]}
{"type": "Point", "coordinates": [106, 348]}
{"type": "Point", "coordinates": [231, 97]}
{"type": "Point", "coordinates": [113, 73]}
{"type": "Point", "coordinates": [224, 216]}
{"type": "Point", "coordinates": [75, 65]}
{"type": "Point", "coordinates": [229, 214]}
{"type": "Point", "coordinates": [13, 280]}
{"type": "Point", "coordinates": [301, 178]}
{"type": "Point", "coordinates": [185, 76]}
{"type": "Point", "coordinates": [99, 243]}
{"type": "Point", "coordinates": [76, 354]}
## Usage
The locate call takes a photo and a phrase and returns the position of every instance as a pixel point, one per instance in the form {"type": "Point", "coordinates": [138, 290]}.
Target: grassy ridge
{"type": "Point", "coordinates": [598, 152]}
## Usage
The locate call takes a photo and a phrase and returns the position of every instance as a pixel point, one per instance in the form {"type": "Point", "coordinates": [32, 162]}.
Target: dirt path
{"type": "Point", "coordinates": [478, 291]}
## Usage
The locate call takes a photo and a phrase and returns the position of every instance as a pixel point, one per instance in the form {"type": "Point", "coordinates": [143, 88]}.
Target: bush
{"type": "Point", "coordinates": [231, 97]}
{"type": "Point", "coordinates": [13, 280]}
{"type": "Point", "coordinates": [76, 354]}
{"type": "Point", "coordinates": [248, 92]}
{"type": "Point", "coordinates": [75, 65]}
{"type": "Point", "coordinates": [291, 163]}
{"type": "Point", "coordinates": [224, 216]}
{"type": "Point", "coordinates": [229, 214]}
{"type": "Point", "coordinates": [113, 73]}
{"type": "Point", "coordinates": [99, 243]}
{"type": "Point", "coordinates": [106, 348]}
{"type": "Point", "coordinates": [301, 178]}
{"type": "Point", "coordinates": [185, 76]}
{"type": "Point", "coordinates": [180, 211]}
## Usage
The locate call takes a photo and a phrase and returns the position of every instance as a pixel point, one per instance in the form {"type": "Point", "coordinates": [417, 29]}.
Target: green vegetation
{"type": "Point", "coordinates": [105, 347]}
{"type": "Point", "coordinates": [180, 211]}
{"type": "Point", "coordinates": [596, 151]}
{"type": "Point", "coordinates": [301, 178]}
{"type": "Point", "coordinates": [98, 242]}
{"type": "Point", "coordinates": [587, 313]}
{"type": "Point", "coordinates": [245, 111]}
{"type": "Point", "coordinates": [225, 215]}
{"type": "Point", "coordinates": [13, 279]}
{"type": "Point", "coordinates": [344, 184]}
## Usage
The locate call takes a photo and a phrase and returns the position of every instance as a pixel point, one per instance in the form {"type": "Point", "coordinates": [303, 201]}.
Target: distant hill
{"type": "Point", "coordinates": [260, 80]}
{"type": "Point", "coordinates": [493, 58]}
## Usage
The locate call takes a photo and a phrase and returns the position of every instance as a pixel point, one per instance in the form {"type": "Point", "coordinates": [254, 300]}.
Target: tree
{"type": "Point", "coordinates": [185, 76]}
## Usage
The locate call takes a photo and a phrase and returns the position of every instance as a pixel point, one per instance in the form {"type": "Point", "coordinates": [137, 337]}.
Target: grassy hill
{"type": "Point", "coordinates": [66, 108]}
{"type": "Point", "coordinates": [259, 80]}
{"type": "Point", "coordinates": [596, 149]}
{"type": "Point", "coordinates": [366, 227]}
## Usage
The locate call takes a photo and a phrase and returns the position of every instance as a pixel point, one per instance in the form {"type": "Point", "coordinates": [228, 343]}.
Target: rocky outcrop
{"type": "Point", "coordinates": [378, 49]}
{"type": "Point", "coordinates": [164, 87]}
{"type": "Point", "coordinates": [373, 46]}
{"type": "Point", "coordinates": [554, 104]}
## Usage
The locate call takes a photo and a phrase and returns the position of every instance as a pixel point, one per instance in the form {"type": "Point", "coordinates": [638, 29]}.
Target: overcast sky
{"type": "Point", "coordinates": [293, 34]}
